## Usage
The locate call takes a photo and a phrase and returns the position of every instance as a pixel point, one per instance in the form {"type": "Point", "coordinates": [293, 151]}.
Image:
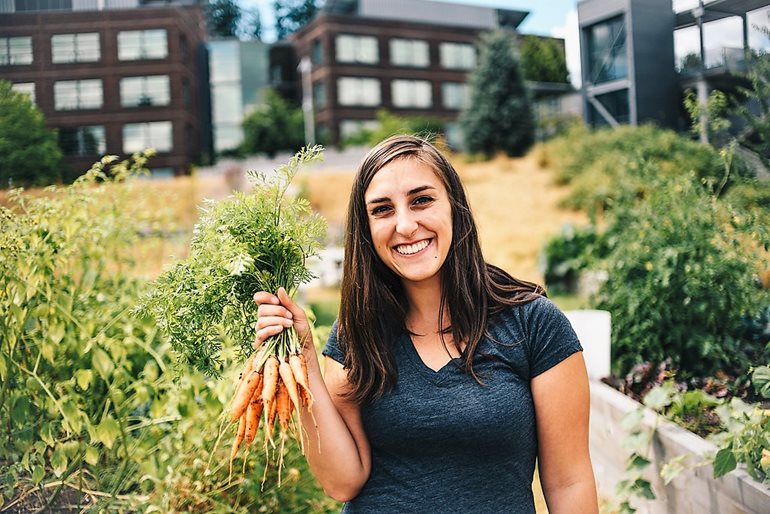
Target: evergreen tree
{"type": "Point", "coordinates": [543, 60]}
{"type": "Point", "coordinates": [223, 17]}
{"type": "Point", "coordinates": [273, 126]}
{"type": "Point", "coordinates": [499, 115]}
{"type": "Point", "coordinates": [291, 15]}
{"type": "Point", "coordinates": [29, 154]}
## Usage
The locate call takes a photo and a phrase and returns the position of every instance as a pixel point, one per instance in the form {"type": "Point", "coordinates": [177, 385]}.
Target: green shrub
{"type": "Point", "coordinates": [389, 124]}
{"type": "Point", "coordinates": [567, 254]}
{"type": "Point", "coordinates": [94, 411]}
{"type": "Point", "coordinates": [272, 127]}
{"type": "Point", "coordinates": [680, 278]}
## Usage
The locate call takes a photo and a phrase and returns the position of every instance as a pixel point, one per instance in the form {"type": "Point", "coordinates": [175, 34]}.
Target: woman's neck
{"type": "Point", "coordinates": [424, 304]}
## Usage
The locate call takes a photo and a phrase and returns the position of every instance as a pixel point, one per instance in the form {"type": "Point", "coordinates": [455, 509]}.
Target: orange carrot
{"type": "Point", "coordinates": [241, 401]}
{"type": "Point", "coordinates": [253, 413]}
{"type": "Point", "coordinates": [271, 407]}
{"type": "Point", "coordinates": [290, 384]}
{"type": "Point", "coordinates": [270, 383]}
{"type": "Point", "coordinates": [237, 443]}
{"type": "Point", "coordinates": [299, 368]}
{"type": "Point", "coordinates": [283, 406]}
{"type": "Point", "coordinates": [242, 378]}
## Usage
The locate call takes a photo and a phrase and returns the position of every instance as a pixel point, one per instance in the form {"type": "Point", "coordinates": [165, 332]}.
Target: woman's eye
{"type": "Point", "coordinates": [423, 200]}
{"type": "Point", "coordinates": [380, 210]}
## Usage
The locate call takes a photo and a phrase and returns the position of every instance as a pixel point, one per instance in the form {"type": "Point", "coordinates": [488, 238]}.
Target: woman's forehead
{"type": "Point", "coordinates": [402, 175]}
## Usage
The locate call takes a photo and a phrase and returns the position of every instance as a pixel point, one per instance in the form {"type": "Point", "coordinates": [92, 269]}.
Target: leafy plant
{"type": "Point", "coordinates": [272, 127]}
{"type": "Point", "coordinates": [389, 124]}
{"type": "Point", "coordinates": [569, 253]}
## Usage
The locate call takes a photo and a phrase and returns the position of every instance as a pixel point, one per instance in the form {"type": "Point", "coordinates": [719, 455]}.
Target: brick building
{"type": "Point", "coordinates": [112, 78]}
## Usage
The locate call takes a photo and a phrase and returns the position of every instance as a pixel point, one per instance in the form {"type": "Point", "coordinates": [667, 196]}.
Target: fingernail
{"type": "Point", "coordinates": [288, 322]}
{"type": "Point", "coordinates": [289, 315]}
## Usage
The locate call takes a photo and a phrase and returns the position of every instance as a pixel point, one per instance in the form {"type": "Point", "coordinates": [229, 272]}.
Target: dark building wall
{"type": "Point", "coordinates": [185, 30]}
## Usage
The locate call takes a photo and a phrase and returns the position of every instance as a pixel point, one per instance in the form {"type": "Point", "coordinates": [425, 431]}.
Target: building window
{"type": "Point", "coordinates": [26, 88]}
{"type": "Point", "coordinates": [15, 50]}
{"type": "Point", "coordinates": [615, 103]}
{"type": "Point", "coordinates": [455, 95]}
{"type": "Point", "coordinates": [411, 93]}
{"type": "Point", "coordinates": [409, 52]}
{"type": "Point", "coordinates": [77, 94]}
{"type": "Point", "coordinates": [186, 95]}
{"type": "Point", "coordinates": [358, 91]}
{"type": "Point", "coordinates": [144, 91]}
{"type": "Point", "coordinates": [75, 47]}
{"type": "Point", "coordinates": [82, 140]}
{"type": "Point", "coordinates": [316, 52]}
{"type": "Point", "coordinates": [457, 56]}
{"type": "Point", "coordinates": [607, 57]}
{"type": "Point", "coordinates": [134, 45]}
{"type": "Point", "coordinates": [139, 136]}
{"type": "Point", "coordinates": [319, 94]}
{"type": "Point", "coordinates": [357, 49]}
{"type": "Point", "coordinates": [350, 128]}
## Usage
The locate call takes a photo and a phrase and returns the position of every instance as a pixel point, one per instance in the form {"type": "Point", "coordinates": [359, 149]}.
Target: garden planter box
{"type": "Point", "coordinates": [693, 491]}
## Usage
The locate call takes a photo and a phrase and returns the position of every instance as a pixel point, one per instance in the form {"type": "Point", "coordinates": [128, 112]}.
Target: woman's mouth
{"type": "Point", "coordinates": [413, 248]}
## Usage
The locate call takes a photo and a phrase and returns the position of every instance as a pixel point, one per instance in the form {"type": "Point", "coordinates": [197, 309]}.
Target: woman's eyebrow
{"type": "Point", "coordinates": [411, 192]}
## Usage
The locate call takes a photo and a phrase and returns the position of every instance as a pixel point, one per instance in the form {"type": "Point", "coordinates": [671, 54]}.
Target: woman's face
{"type": "Point", "coordinates": [410, 219]}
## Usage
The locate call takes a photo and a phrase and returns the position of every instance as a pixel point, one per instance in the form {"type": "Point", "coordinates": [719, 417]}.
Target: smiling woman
{"type": "Point", "coordinates": [445, 377]}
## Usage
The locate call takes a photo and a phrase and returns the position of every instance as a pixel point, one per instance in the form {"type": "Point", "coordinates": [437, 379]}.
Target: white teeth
{"type": "Point", "coordinates": [410, 249]}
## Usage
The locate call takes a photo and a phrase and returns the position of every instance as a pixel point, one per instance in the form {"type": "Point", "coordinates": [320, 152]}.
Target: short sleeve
{"type": "Point", "coordinates": [332, 348]}
{"type": "Point", "coordinates": [550, 334]}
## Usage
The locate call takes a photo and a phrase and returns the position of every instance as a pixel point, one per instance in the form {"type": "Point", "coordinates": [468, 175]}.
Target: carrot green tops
{"type": "Point", "coordinates": [443, 443]}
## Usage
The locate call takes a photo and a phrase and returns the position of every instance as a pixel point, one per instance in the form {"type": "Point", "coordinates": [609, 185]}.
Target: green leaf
{"type": "Point", "coordinates": [672, 469]}
{"type": "Point", "coordinates": [632, 420]}
{"type": "Point", "coordinates": [102, 363]}
{"type": "Point", "coordinates": [56, 332]}
{"type": "Point", "coordinates": [73, 416]}
{"type": "Point", "coordinates": [724, 462]}
{"type": "Point", "coordinates": [637, 462]}
{"type": "Point", "coordinates": [92, 455]}
{"type": "Point", "coordinates": [83, 378]}
{"type": "Point", "coordinates": [58, 462]}
{"type": "Point", "coordinates": [108, 431]}
{"type": "Point", "coordinates": [38, 473]}
{"type": "Point", "coordinates": [643, 488]}
{"type": "Point", "coordinates": [659, 397]}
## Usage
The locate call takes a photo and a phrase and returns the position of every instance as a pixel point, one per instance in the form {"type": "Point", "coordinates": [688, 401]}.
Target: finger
{"type": "Point", "coordinates": [267, 332]}
{"type": "Point", "coordinates": [287, 302]}
{"type": "Point", "coordinates": [271, 321]}
{"type": "Point", "coordinates": [273, 310]}
{"type": "Point", "coordinates": [263, 297]}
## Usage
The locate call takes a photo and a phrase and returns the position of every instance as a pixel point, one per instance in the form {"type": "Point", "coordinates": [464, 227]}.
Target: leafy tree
{"type": "Point", "coordinates": [757, 135]}
{"type": "Point", "coordinates": [291, 15]}
{"type": "Point", "coordinates": [273, 126]}
{"type": "Point", "coordinates": [389, 124]}
{"type": "Point", "coordinates": [224, 17]}
{"type": "Point", "coordinates": [543, 60]}
{"type": "Point", "coordinates": [499, 115]}
{"type": "Point", "coordinates": [252, 24]}
{"type": "Point", "coordinates": [29, 154]}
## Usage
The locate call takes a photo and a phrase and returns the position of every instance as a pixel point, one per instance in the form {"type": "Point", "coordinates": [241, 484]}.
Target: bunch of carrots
{"type": "Point", "coordinates": [273, 383]}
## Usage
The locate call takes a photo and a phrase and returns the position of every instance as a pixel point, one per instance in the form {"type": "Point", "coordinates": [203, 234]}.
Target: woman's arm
{"type": "Point", "coordinates": [562, 405]}
{"type": "Point", "coordinates": [337, 449]}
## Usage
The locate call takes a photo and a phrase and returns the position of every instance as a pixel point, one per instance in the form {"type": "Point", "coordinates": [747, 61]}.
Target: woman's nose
{"type": "Point", "coordinates": [406, 224]}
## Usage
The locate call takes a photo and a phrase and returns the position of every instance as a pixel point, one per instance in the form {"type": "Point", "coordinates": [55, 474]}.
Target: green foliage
{"type": "Point", "coordinates": [29, 154]}
{"type": "Point", "coordinates": [755, 110]}
{"type": "Point", "coordinates": [567, 254]}
{"type": "Point", "coordinates": [292, 15]}
{"type": "Point", "coordinates": [243, 244]}
{"type": "Point", "coordinates": [746, 440]}
{"type": "Point", "coordinates": [92, 411]}
{"type": "Point", "coordinates": [389, 124]}
{"type": "Point", "coordinates": [223, 17]}
{"type": "Point", "coordinates": [543, 59]}
{"type": "Point", "coordinates": [499, 115]}
{"type": "Point", "coordinates": [709, 119]}
{"type": "Point", "coordinates": [679, 281]}
{"type": "Point", "coordinates": [272, 127]}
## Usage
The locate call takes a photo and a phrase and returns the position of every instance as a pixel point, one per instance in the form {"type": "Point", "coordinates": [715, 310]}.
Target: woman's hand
{"type": "Point", "coordinates": [279, 312]}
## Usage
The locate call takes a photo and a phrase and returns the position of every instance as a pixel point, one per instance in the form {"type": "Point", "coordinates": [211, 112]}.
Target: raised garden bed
{"type": "Point", "coordinates": [694, 490]}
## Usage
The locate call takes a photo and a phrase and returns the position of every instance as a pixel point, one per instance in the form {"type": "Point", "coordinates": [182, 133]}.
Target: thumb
{"type": "Point", "coordinates": [296, 311]}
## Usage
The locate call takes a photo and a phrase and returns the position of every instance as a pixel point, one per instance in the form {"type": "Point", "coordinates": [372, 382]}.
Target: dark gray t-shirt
{"type": "Point", "coordinates": [443, 443]}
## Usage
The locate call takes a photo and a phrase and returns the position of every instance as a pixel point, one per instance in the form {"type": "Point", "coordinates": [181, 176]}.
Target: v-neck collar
{"type": "Point", "coordinates": [436, 377]}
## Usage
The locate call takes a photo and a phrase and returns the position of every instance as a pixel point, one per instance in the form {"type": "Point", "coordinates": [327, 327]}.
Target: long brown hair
{"type": "Point", "coordinates": [374, 304]}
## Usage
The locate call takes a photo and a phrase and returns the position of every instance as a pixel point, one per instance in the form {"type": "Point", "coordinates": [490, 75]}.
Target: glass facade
{"type": "Point", "coordinates": [144, 91]}
{"type": "Point", "coordinates": [316, 52]}
{"type": "Point", "coordinates": [457, 56]}
{"type": "Point", "coordinates": [77, 94]}
{"type": "Point", "coordinates": [27, 88]}
{"type": "Point", "coordinates": [75, 47]}
{"type": "Point", "coordinates": [134, 45]}
{"type": "Point", "coordinates": [319, 94]}
{"type": "Point", "coordinates": [88, 140]}
{"type": "Point", "coordinates": [226, 94]}
{"type": "Point", "coordinates": [409, 52]}
{"type": "Point", "coordinates": [139, 136]}
{"type": "Point", "coordinates": [607, 54]}
{"type": "Point", "coordinates": [355, 91]}
{"type": "Point", "coordinates": [411, 93]}
{"type": "Point", "coordinates": [15, 50]}
{"type": "Point", "coordinates": [357, 49]}
{"type": "Point", "coordinates": [617, 105]}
